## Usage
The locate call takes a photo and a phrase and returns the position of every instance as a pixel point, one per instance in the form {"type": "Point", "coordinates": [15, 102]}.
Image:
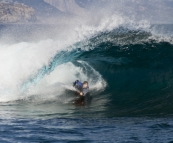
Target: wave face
{"type": "Point", "coordinates": [137, 67]}
{"type": "Point", "coordinates": [129, 70]}
{"type": "Point", "coordinates": [138, 70]}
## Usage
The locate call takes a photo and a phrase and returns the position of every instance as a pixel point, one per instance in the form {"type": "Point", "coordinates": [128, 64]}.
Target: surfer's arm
{"type": "Point", "coordinates": [80, 93]}
{"type": "Point", "coordinates": [84, 91]}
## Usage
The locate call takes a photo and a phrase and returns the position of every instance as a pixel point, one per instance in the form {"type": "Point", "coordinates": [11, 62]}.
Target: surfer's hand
{"type": "Point", "coordinates": [81, 94]}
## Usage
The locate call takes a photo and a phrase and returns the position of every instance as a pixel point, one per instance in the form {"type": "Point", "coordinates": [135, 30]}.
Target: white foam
{"type": "Point", "coordinates": [61, 79]}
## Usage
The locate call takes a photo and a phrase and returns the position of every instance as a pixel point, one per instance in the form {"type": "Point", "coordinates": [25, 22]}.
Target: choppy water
{"type": "Point", "coordinates": [87, 130]}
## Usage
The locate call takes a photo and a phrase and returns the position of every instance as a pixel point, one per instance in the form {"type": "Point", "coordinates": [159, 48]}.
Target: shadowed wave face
{"type": "Point", "coordinates": [137, 69]}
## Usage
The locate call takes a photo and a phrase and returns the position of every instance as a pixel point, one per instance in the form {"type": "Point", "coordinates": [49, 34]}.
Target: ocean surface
{"type": "Point", "coordinates": [130, 73]}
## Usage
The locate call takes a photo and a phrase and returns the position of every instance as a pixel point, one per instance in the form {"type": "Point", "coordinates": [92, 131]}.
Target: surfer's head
{"type": "Point", "coordinates": [85, 84]}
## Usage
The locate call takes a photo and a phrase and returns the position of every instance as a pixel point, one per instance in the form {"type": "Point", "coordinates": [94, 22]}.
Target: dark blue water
{"type": "Point", "coordinates": [65, 130]}
{"type": "Point", "coordinates": [131, 80]}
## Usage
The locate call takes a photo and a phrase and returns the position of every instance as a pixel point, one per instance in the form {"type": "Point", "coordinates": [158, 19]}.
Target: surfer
{"type": "Point", "coordinates": [81, 88]}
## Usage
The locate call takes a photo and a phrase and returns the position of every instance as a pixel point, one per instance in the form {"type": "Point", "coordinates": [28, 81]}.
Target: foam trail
{"type": "Point", "coordinates": [57, 82]}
